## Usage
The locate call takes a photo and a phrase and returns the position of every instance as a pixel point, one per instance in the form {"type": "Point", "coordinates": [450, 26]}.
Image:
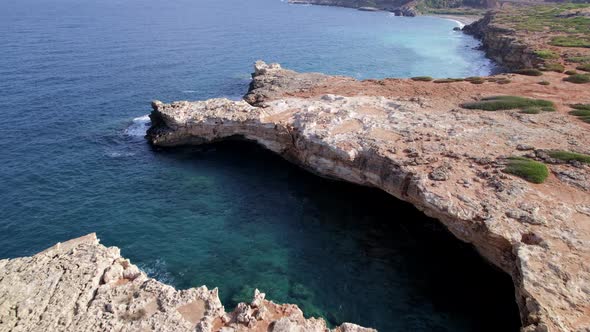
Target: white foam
{"type": "Point", "coordinates": [459, 23]}
{"type": "Point", "coordinates": [139, 126]}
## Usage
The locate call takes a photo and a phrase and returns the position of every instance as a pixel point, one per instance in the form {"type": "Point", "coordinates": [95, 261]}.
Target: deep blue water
{"type": "Point", "coordinates": [75, 75]}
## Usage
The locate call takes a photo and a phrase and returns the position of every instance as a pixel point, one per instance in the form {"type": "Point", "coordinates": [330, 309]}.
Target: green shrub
{"type": "Point", "coordinates": [528, 72]}
{"type": "Point", "coordinates": [580, 112]}
{"type": "Point", "coordinates": [556, 67]}
{"type": "Point", "coordinates": [546, 54]}
{"type": "Point", "coordinates": [570, 41]}
{"type": "Point", "coordinates": [448, 80]}
{"type": "Point", "coordinates": [503, 81]}
{"type": "Point", "coordinates": [569, 156]}
{"type": "Point", "coordinates": [579, 59]}
{"type": "Point", "coordinates": [581, 106]}
{"type": "Point", "coordinates": [578, 78]}
{"type": "Point", "coordinates": [498, 103]}
{"type": "Point", "coordinates": [530, 170]}
{"type": "Point", "coordinates": [422, 78]}
{"type": "Point", "coordinates": [473, 78]}
{"type": "Point", "coordinates": [585, 67]}
{"type": "Point", "coordinates": [482, 81]}
{"type": "Point", "coordinates": [544, 83]}
{"type": "Point", "coordinates": [570, 72]}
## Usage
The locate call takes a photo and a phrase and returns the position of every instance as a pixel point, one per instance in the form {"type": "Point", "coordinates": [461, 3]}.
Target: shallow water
{"type": "Point", "coordinates": [76, 83]}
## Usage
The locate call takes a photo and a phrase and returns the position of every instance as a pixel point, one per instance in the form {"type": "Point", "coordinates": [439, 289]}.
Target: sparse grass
{"type": "Point", "coordinates": [581, 107]}
{"type": "Point", "coordinates": [585, 67]}
{"type": "Point", "coordinates": [579, 59]}
{"type": "Point", "coordinates": [570, 41]}
{"type": "Point", "coordinates": [528, 72]}
{"type": "Point", "coordinates": [498, 103]}
{"type": "Point", "coordinates": [544, 83]}
{"type": "Point", "coordinates": [570, 72]}
{"type": "Point", "coordinates": [546, 54]}
{"type": "Point", "coordinates": [578, 78]}
{"type": "Point", "coordinates": [527, 169]}
{"type": "Point", "coordinates": [556, 67]}
{"type": "Point", "coordinates": [582, 111]}
{"type": "Point", "coordinates": [545, 19]}
{"type": "Point", "coordinates": [537, 109]}
{"type": "Point", "coordinates": [422, 78]}
{"type": "Point", "coordinates": [448, 80]}
{"type": "Point", "coordinates": [569, 156]}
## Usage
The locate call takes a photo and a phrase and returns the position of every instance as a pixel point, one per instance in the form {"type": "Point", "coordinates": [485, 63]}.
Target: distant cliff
{"type": "Point", "coordinates": [401, 7]}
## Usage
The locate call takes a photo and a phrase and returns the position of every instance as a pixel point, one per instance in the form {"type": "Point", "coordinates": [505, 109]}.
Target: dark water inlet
{"type": "Point", "coordinates": [345, 252]}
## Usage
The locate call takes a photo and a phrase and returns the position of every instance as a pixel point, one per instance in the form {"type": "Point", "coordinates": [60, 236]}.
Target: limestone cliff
{"type": "Point", "coordinates": [413, 140]}
{"type": "Point", "coordinates": [502, 44]}
{"type": "Point", "coordinates": [81, 285]}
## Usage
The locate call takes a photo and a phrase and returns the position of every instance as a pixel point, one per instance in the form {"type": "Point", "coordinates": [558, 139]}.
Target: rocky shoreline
{"type": "Point", "coordinates": [413, 140]}
{"type": "Point", "coordinates": [81, 285]}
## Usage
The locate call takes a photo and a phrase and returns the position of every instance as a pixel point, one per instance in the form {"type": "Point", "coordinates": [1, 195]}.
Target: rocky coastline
{"type": "Point", "coordinates": [81, 285]}
{"type": "Point", "coordinates": [413, 140]}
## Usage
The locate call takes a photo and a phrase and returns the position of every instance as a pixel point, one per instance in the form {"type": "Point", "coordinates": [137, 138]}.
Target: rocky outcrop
{"type": "Point", "coordinates": [81, 285]}
{"type": "Point", "coordinates": [412, 140]}
{"type": "Point", "coordinates": [502, 44]}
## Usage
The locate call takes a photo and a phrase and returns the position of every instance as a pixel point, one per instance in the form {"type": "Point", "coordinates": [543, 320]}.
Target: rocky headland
{"type": "Point", "coordinates": [413, 140]}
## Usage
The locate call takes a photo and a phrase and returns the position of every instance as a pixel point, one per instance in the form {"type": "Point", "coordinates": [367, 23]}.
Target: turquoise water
{"type": "Point", "coordinates": [77, 79]}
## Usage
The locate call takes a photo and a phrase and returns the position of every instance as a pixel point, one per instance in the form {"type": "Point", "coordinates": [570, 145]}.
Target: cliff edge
{"type": "Point", "coordinates": [416, 141]}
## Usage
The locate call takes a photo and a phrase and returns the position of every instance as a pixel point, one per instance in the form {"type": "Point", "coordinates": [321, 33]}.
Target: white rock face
{"type": "Point", "coordinates": [81, 285]}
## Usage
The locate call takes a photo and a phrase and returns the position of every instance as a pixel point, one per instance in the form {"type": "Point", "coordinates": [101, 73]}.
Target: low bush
{"type": "Point", "coordinates": [498, 103]}
{"type": "Point", "coordinates": [422, 78]}
{"type": "Point", "coordinates": [581, 107]}
{"type": "Point", "coordinates": [546, 54]}
{"type": "Point", "coordinates": [556, 67]}
{"type": "Point", "coordinates": [448, 80]}
{"type": "Point", "coordinates": [570, 41]}
{"type": "Point", "coordinates": [528, 72]}
{"type": "Point", "coordinates": [579, 59]}
{"type": "Point", "coordinates": [544, 83]}
{"type": "Point", "coordinates": [570, 72]}
{"type": "Point", "coordinates": [527, 169]}
{"type": "Point", "coordinates": [503, 81]}
{"type": "Point", "coordinates": [582, 111]}
{"type": "Point", "coordinates": [585, 67]}
{"type": "Point", "coordinates": [569, 156]}
{"type": "Point", "coordinates": [578, 78]}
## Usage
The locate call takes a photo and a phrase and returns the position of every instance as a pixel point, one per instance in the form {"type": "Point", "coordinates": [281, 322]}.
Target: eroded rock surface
{"type": "Point", "coordinates": [414, 141]}
{"type": "Point", "coordinates": [81, 285]}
